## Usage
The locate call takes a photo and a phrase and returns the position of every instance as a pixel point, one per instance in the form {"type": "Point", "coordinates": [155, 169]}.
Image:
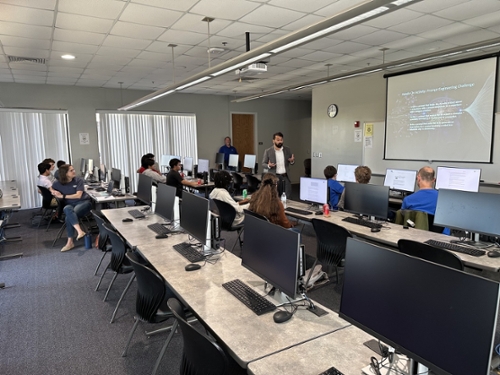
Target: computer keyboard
{"type": "Point", "coordinates": [453, 247]}
{"type": "Point", "coordinates": [249, 297]}
{"type": "Point", "coordinates": [297, 211]}
{"type": "Point", "coordinates": [159, 228]}
{"type": "Point", "coordinates": [189, 252]}
{"type": "Point", "coordinates": [365, 223]}
{"type": "Point", "coordinates": [331, 371]}
{"type": "Point", "coordinates": [136, 214]}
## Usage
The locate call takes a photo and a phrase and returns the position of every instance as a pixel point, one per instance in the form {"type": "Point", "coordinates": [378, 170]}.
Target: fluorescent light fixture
{"type": "Point", "coordinates": [239, 65]}
{"type": "Point", "coordinates": [68, 57]}
{"type": "Point", "coordinates": [401, 2]}
{"type": "Point", "coordinates": [309, 85]}
{"type": "Point", "coordinates": [202, 79]}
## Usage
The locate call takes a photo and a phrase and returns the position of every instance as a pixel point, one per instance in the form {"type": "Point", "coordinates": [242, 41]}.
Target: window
{"type": "Point", "coordinates": [27, 137]}
{"type": "Point", "coordinates": [125, 137]}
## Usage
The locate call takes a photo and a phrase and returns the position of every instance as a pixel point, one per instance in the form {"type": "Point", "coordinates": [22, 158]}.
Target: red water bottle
{"type": "Point", "coordinates": [326, 210]}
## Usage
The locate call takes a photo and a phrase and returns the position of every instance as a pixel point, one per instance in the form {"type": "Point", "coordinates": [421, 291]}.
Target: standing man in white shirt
{"type": "Point", "coordinates": [277, 160]}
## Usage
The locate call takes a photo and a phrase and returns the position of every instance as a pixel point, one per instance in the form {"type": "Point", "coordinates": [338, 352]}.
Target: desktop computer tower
{"type": "Point", "coordinates": [215, 228]}
{"type": "Point", "coordinates": [127, 185]}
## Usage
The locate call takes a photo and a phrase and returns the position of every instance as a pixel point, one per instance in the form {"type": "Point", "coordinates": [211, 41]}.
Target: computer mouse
{"type": "Point", "coordinates": [192, 267]}
{"type": "Point", "coordinates": [494, 254]}
{"type": "Point", "coordinates": [158, 236]}
{"type": "Point", "coordinates": [281, 316]}
{"type": "Point", "coordinates": [374, 230]}
{"type": "Point", "coordinates": [318, 213]}
{"type": "Point", "coordinates": [127, 220]}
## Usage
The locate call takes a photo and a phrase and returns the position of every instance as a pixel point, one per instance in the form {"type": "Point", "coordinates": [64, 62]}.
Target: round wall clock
{"type": "Point", "coordinates": [332, 110]}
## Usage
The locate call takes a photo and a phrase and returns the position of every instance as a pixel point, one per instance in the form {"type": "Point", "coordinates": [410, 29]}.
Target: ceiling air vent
{"type": "Point", "coordinates": [35, 60]}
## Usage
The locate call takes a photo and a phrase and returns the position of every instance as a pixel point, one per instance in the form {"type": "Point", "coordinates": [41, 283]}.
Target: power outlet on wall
{"type": "Point", "coordinates": [320, 154]}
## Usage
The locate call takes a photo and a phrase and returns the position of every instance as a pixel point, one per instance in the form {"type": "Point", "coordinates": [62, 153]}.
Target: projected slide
{"type": "Point", "coordinates": [443, 114]}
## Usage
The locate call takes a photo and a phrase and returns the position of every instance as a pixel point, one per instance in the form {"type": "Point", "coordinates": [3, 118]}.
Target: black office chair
{"type": "Point", "coordinates": [227, 213]}
{"type": "Point", "coordinates": [255, 214]}
{"type": "Point", "coordinates": [253, 183]}
{"type": "Point", "coordinates": [201, 355]}
{"type": "Point", "coordinates": [104, 242]}
{"type": "Point", "coordinates": [47, 206]}
{"type": "Point", "coordinates": [238, 184]}
{"type": "Point", "coordinates": [151, 303]}
{"type": "Point", "coordinates": [331, 239]}
{"type": "Point", "coordinates": [430, 253]}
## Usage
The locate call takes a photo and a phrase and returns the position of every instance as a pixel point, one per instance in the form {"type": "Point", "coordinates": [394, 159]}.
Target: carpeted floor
{"type": "Point", "coordinates": [53, 322]}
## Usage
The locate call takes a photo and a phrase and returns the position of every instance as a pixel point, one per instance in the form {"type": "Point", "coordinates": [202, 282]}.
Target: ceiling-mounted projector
{"type": "Point", "coordinates": [252, 69]}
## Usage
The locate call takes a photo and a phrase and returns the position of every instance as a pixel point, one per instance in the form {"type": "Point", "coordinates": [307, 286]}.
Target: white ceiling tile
{"type": "Point", "coordinates": [24, 42]}
{"type": "Point", "coordinates": [485, 21]}
{"type": "Point", "coordinates": [407, 42]}
{"type": "Point", "coordinates": [154, 56]}
{"type": "Point", "coordinates": [473, 37]}
{"type": "Point", "coordinates": [320, 56]}
{"type": "Point", "coordinates": [35, 73]}
{"type": "Point", "coordinates": [27, 66]}
{"type": "Point", "coordinates": [270, 16]}
{"type": "Point", "coordinates": [354, 32]}
{"type": "Point", "coordinates": [374, 52]}
{"type": "Point", "coordinates": [90, 82]}
{"type": "Point", "coordinates": [238, 29]}
{"type": "Point", "coordinates": [347, 47]}
{"type": "Point", "coordinates": [184, 37]}
{"type": "Point", "coordinates": [162, 47]}
{"type": "Point", "coordinates": [61, 81]}
{"type": "Point", "coordinates": [75, 36]}
{"type": "Point", "coordinates": [81, 60]}
{"type": "Point", "coordinates": [148, 63]}
{"type": "Point", "coordinates": [295, 52]}
{"type": "Point", "coordinates": [430, 46]}
{"type": "Point", "coordinates": [394, 18]}
{"type": "Point", "coordinates": [322, 44]}
{"type": "Point", "coordinates": [67, 76]}
{"type": "Point", "coordinates": [118, 60]}
{"type": "Point", "coordinates": [125, 43]}
{"type": "Point", "coordinates": [40, 4]}
{"type": "Point", "coordinates": [26, 31]}
{"type": "Point", "coordinates": [300, 5]}
{"type": "Point", "coordinates": [137, 31]}
{"type": "Point", "coordinates": [469, 10]}
{"type": "Point", "coordinates": [26, 52]}
{"type": "Point", "coordinates": [96, 8]}
{"type": "Point", "coordinates": [294, 63]}
{"type": "Point", "coordinates": [421, 24]}
{"type": "Point", "coordinates": [83, 23]}
{"type": "Point", "coordinates": [434, 6]}
{"type": "Point", "coordinates": [337, 7]}
{"type": "Point", "coordinates": [380, 37]}
{"type": "Point", "coordinates": [398, 55]}
{"type": "Point", "coordinates": [448, 31]}
{"type": "Point", "coordinates": [193, 22]}
{"type": "Point", "coordinates": [146, 15]}
{"type": "Point", "coordinates": [64, 70]}
{"type": "Point", "coordinates": [271, 36]}
{"type": "Point", "coordinates": [183, 5]}
{"type": "Point", "coordinates": [28, 16]}
{"type": "Point", "coordinates": [73, 48]}
{"type": "Point", "coordinates": [305, 21]}
{"type": "Point", "coordinates": [221, 8]}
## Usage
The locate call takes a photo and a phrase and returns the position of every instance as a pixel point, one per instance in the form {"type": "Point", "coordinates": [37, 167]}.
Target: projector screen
{"type": "Point", "coordinates": [442, 114]}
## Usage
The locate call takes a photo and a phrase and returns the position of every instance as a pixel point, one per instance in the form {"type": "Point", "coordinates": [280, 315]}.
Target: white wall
{"type": "Point", "coordinates": [363, 99]}
{"type": "Point", "coordinates": [212, 115]}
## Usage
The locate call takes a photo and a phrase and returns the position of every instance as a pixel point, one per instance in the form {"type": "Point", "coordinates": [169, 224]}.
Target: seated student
{"type": "Point", "coordinates": [175, 179]}
{"type": "Point", "coordinates": [150, 172]}
{"type": "Point", "coordinates": [145, 157]}
{"type": "Point", "coordinates": [52, 167]}
{"type": "Point", "coordinates": [44, 176]}
{"type": "Point", "coordinates": [362, 174]}
{"type": "Point", "coordinates": [56, 173]}
{"type": "Point", "coordinates": [425, 199]}
{"type": "Point", "coordinates": [335, 188]}
{"type": "Point", "coordinates": [266, 202]}
{"type": "Point", "coordinates": [76, 200]}
{"type": "Point", "coordinates": [222, 181]}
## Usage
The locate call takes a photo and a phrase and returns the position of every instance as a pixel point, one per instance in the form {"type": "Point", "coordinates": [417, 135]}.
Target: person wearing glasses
{"type": "Point", "coordinates": [76, 202]}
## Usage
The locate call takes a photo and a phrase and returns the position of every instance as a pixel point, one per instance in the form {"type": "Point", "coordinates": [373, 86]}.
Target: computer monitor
{"type": "Point", "coordinates": [249, 161]}
{"type": "Point", "coordinates": [366, 199]}
{"type": "Point", "coordinates": [195, 211]}
{"type": "Point", "coordinates": [400, 179]}
{"type": "Point", "coordinates": [219, 158]}
{"type": "Point", "coordinates": [116, 177]}
{"type": "Point", "coordinates": [103, 172]}
{"type": "Point", "coordinates": [272, 253]}
{"type": "Point", "coordinates": [433, 314]}
{"type": "Point", "coordinates": [144, 189]}
{"type": "Point", "coordinates": [233, 160]}
{"type": "Point", "coordinates": [187, 164]}
{"type": "Point", "coordinates": [203, 165]}
{"type": "Point", "coordinates": [165, 199]}
{"type": "Point", "coordinates": [465, 179]}
{"type": "Point", "coordinates": [314, 190]}
{"type": "Point", "coordinates": [90, 166]}
{"type": "Point", "coordinates": [345, 172]}
{"type": "Point", "coordinates": [464, 210]}
{"type": "Point", "coordinates": [165, 160]}
{"type": "Point", "coordinates": [83, 166]}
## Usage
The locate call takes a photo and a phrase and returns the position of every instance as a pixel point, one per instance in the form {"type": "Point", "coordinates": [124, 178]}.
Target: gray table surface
{"type": "Point", "coordinates": [248, 336]}
{"type": "Point", "coordinates": [11, 198]}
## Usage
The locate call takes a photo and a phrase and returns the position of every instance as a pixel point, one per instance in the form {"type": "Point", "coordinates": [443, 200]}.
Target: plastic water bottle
{"type": "Point", "coordinates": [283, 199]}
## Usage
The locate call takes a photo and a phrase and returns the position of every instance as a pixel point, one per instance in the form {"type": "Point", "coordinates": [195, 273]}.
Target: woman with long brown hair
{"type": "Point", "coordinates": [77, 202]}
{"type": "Point", "coordinates": [266, 202]}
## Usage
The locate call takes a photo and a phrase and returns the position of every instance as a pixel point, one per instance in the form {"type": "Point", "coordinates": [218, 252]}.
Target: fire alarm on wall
{"type": "Point", "coordinates": [356, 124]}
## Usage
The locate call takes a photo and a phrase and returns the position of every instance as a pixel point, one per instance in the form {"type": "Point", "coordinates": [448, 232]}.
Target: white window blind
{"type": "Point", "coordinates": [28, 137]}
{"type": "Point", "coordinates": [124, 137]}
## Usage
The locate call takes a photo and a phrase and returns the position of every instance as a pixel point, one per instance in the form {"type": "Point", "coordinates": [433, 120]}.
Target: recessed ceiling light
{"type": "Point", "coordinates": [68, 57]}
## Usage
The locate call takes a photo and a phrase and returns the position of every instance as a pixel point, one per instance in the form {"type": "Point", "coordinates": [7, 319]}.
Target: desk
{"type": "Point", "coordinates": [392, 233]}
{"type": "Point", "coordinates": [99, 199]}
{"type": "Point", "coordinates": [208, 187]}
{"type": "Point", "coordinates": [247, 336]}
{"type": "Point", "coordinates": [9, 201]}
{"type": "Point", "coordinates": [343, 349]}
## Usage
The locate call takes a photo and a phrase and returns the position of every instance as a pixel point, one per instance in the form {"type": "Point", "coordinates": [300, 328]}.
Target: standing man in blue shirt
{"type": "Point", "coordinates": [227, 150]}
